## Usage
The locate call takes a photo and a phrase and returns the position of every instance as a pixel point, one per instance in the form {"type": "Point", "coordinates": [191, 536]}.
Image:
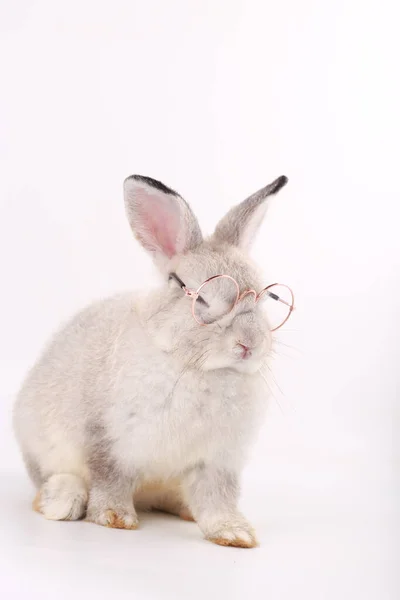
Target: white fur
{"type": "Point", "coordinates": [63, 497]}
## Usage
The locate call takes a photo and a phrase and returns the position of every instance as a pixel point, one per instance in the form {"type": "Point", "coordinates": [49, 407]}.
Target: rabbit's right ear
{"type": "Point", "coordinates": [239, 226]}
{"type": "Point", "coordinates": [160, 219]}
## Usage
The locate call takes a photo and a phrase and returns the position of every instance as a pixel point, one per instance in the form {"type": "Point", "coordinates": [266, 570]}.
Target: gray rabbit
{"type": "Point", "coordinates": [151, 400]}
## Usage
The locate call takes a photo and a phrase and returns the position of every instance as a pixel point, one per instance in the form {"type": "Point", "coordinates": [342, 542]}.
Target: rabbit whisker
{"type": "Point", "coordinates": [274, 378]}
{"type": "Point", "coordinates": [270, 390]}
{"type": "Point", "coordinates": [289, 346]}
{"type": "Point", "coordinates": [192, 362]}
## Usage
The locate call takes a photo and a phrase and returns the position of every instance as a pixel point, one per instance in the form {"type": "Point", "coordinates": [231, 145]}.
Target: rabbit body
{"type": "Point", "coordinates": [134, 405]}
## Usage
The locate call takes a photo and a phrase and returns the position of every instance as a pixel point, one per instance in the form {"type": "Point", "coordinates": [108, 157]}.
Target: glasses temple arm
{"type": "Point", "coordinates": [178, 280]}
{"type": "Point", "coordinates": [278, 299]}
{"type": "Point", "coordinates": [182, 285]}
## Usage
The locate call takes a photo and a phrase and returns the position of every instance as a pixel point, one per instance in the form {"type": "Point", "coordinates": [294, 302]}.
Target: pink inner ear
{"type": "Point", "coordinates": [160, 224]}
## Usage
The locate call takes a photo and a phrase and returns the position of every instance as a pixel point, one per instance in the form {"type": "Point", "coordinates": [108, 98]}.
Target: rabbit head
{"type": "Point", "coordinates": [213, 336]}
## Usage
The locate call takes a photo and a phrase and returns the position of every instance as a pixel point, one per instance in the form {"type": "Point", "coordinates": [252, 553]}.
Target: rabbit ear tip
{"type": "Point", "coordinates": [280, 182]}
{"type": "Point", "coordinates": [149, 181]}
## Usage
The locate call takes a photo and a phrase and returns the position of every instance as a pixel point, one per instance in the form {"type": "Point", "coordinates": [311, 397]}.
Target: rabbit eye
{"type": "Point", "coordinates": [202, 302]}
{"type": "Point", "coordinates": [221, 294]}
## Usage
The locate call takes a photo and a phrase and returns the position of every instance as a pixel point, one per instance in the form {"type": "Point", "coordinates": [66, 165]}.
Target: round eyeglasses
{"type": "Point", "coordinates": [220, 294]}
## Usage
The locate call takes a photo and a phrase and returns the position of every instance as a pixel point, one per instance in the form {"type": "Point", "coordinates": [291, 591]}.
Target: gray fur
{"type": "Point", "coordinates": [238, 227]}
{"type": "Point", "coordinates": [32, 466]}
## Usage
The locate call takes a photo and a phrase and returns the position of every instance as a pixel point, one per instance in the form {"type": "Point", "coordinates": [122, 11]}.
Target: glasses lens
{"type": "Point", "coordinates": [216, 299]}
{"type": "Point", "coordinates": [278, 303]}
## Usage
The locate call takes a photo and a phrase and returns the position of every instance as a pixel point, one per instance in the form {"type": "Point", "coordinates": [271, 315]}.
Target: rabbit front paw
{"type": "Point", "coordinates": [115, 518]}
{"type": "Point", "coordinates": [239, 536]}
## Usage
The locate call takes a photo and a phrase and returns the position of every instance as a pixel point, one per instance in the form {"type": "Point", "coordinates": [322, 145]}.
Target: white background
{"type": "Point", "coordinates": [215, 98]}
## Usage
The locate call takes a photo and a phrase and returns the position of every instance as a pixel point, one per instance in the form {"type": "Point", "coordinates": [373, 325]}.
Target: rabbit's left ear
{"type": "Point", "coordinates": [160, 219]}
{"type": "Point", "coordinates": [240, 224]}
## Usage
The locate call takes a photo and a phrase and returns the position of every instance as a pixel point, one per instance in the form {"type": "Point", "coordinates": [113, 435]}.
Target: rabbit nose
{"type": "Point", "coordinates": [246, 352]}
{"type": "Point", "coordinates": [246, 348]}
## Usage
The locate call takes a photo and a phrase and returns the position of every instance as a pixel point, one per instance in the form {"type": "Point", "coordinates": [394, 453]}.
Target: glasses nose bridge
{"type": "Point", "coordinates": [247, 293]}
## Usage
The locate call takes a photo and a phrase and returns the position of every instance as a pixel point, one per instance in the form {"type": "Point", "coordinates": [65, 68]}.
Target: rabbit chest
{"type": "Point", "coordinates": [163, 420]}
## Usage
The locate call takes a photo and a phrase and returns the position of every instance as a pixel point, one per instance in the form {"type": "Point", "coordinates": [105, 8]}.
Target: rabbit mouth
{"type": "Point", "coordinates": [247, 365]}
{"type": "Point", "coordinates": [243, 352]}
{"type": "Point", "coordinates": [246, 360]}
{"type": "Point", "coordinates": [249, 358]}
